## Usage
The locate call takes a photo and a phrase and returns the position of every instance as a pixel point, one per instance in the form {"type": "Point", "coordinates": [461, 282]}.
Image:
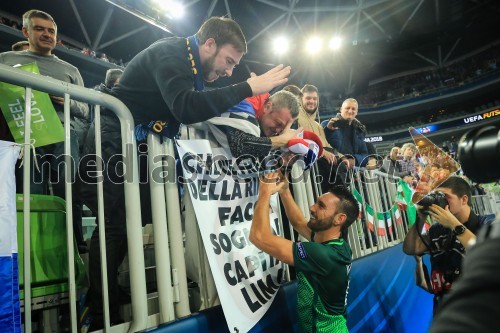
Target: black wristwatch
{"type": "Point", "coordinates": [459, 229]}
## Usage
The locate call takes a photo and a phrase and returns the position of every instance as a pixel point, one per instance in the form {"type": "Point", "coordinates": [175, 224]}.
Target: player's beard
{"type": "Point", "coordinates": [320, 224]}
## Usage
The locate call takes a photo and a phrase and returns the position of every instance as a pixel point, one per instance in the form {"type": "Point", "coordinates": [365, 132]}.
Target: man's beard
{"type": "Point", "coordinates": [311, 111]}
{"type": "Point", "coordinates": [320, 225]}
{"type": "Point", "coordinates": [208, 65]}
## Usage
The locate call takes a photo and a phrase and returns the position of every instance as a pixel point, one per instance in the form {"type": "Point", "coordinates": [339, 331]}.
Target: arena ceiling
{"type": "Point", "coordinates": [381, 37]}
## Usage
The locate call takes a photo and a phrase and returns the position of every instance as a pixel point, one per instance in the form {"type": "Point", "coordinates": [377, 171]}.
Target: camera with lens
{"type": "Point", "coordinates": [341, 123]}
{"type": "Point", "coordinates": [436, 197]}
{"type": "Point", "coordinates": [478, 152]}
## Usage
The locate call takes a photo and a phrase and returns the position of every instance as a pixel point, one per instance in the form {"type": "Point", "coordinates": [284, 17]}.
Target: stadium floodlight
{"type": "Point", "coordinates": [172, 9]}
{"type": "Point", "coordinates": [314, 45]}
{"type": "Point", "coordinates": [281, 45]}
{"type": "Point", "coordinates": [176, 10]}
{"type": "Point", "coordinates": [335, 43]}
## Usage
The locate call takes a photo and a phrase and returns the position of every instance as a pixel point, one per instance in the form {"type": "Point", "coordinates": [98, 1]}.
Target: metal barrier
{"type": "Point", "coordinates": [134, 228]}
{"type": "Point", "coordinates": [168, 235]}
{"type": "Point", "coordinates": [484, 204]}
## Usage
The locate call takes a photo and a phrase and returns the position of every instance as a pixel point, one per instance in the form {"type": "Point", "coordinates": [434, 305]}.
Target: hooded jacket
{"type": "Point", "coordinates": [308, 122]}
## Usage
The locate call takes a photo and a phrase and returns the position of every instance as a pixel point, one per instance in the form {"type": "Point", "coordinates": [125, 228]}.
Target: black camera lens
{"type": "Point", "coordinates": [479, 152]}
{"type": "Point", "coordinates": [341, 123]}
{"type": "Point", "coordinates": [436, 197]}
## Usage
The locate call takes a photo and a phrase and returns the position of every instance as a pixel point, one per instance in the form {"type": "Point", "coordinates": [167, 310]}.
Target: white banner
{"type": "Point", "coordinates": [223, 197]}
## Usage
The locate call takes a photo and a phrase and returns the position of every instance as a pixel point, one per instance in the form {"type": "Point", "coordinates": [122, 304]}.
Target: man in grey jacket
{"type": "Point", "coordinates": [41, 31]}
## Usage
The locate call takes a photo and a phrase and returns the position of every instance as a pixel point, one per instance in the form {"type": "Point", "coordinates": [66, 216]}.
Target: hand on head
{"type": "Point", "coordinates": [289, 133]}
{"type": "Point", "coordinates": [264, 83]}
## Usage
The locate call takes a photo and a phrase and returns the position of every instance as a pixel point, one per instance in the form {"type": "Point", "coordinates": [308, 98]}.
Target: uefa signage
{"type": "Point", "coordinates": [483, 116]}
{"type": "Point", "coordinates": [374, 139]}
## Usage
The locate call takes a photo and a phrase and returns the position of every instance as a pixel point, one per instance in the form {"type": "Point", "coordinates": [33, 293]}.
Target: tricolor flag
{"type": "Point", "coordinates": [369, 217]}
{"type": "Point", "coordinates": [397, 214]}
{"type": "Point", "coordinates": [381, 224]}
{"type": "Point", "coordinates": [411, 210]}
{"type": "Point", "coordinates": [359, 199]}
{"type": "Point", "coordinates": [388, 218]}
{"type": "Point", "coordinates": [10, 314]}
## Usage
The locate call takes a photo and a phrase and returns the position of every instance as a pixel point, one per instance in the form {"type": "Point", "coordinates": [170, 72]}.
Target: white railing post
{"type": "Point", "coordinates": [134, 229]}
{"type": "Point", "coordinates": [175, 235]}
{"type": "Point", "coordinates": [160, 230]}
{"type": "Point", "coordinates": [100, 218]}
{"type": "Point", "coordinates": [27, 210]}
{"type": "Point", "coordinates": [68, 180]}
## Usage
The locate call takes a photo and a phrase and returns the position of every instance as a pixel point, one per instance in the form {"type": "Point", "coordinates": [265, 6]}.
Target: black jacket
{"type": "Point", "coordinates": [158, 85]}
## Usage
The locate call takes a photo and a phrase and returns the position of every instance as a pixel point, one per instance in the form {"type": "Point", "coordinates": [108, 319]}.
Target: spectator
{"type": "Point", "coordinates": [323, 263]}
{"type": "Point", "coordinates": [163, 84]}
{"type": "Point", "coordinates": [327, 164]}
{"type": "Point", "coordinates": [256, 125]}
{"type": "Point", "coordinates": [113, 76]}
{"type": "Point", "coordinates": [407, 163]}
{"type": "Point", "coordinates": [41, 31]}
{"type": "Point", "coordinates": [347, 135]}
{"type": "Point", "coordinates": [21, 46]}
{"type": "Point", "coordinates": [448, 239]}
{"type": "Point", "coordinates": [104, 57]}
{"type": "Point", "coordinates": [61, 44]}
{"type": "Point", "coordinates": [391, 166]}
{"type": "Point", "coordinates": [307, 119]}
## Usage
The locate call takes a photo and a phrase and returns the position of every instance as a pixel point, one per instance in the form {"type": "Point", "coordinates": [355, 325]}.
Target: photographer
{"type": "Point", "coordinates": [448, 239]}
{"type": "Point", "coordinates": [472, 306]}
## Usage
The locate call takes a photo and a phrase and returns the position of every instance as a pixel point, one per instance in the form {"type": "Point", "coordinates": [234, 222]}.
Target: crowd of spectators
{"type": "Point", "coordinates": [431, 116]}
{"type": "Point", "coordinates": [425, 82]}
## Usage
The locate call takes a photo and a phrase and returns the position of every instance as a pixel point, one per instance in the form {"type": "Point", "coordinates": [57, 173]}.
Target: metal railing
{"type": "Point", "coordinates": [134, 228]}
{"type": "Point", "coordinates": [484, 204]}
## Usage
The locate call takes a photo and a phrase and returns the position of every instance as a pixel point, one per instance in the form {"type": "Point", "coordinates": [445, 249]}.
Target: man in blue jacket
{"type": "Point", "coordinates": [347, 135]}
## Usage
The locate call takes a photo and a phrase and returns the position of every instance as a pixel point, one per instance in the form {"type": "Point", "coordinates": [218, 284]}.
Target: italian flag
{"type": "Point", "coordinates": [381, 224]}
{"type": "Point", "coordinates": [397, 214]}
{"type": "Point", "coordinates": [388, 218]}
{"type": "Point", "coordinates": [369, 217]}
{"type": "Point", "coordinates": [359, 199]}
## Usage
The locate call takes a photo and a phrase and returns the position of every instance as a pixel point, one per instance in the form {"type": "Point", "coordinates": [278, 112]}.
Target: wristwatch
{"type": "Point", "coordinates": [459, 229]}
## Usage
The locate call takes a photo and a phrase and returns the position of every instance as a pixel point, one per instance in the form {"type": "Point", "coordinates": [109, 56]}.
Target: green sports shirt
{"type": "Point", "coordinates": [323, 274]}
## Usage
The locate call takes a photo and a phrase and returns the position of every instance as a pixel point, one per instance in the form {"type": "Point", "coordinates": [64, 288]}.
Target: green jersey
{"type": "Point", "coordinates": [323, 273]}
